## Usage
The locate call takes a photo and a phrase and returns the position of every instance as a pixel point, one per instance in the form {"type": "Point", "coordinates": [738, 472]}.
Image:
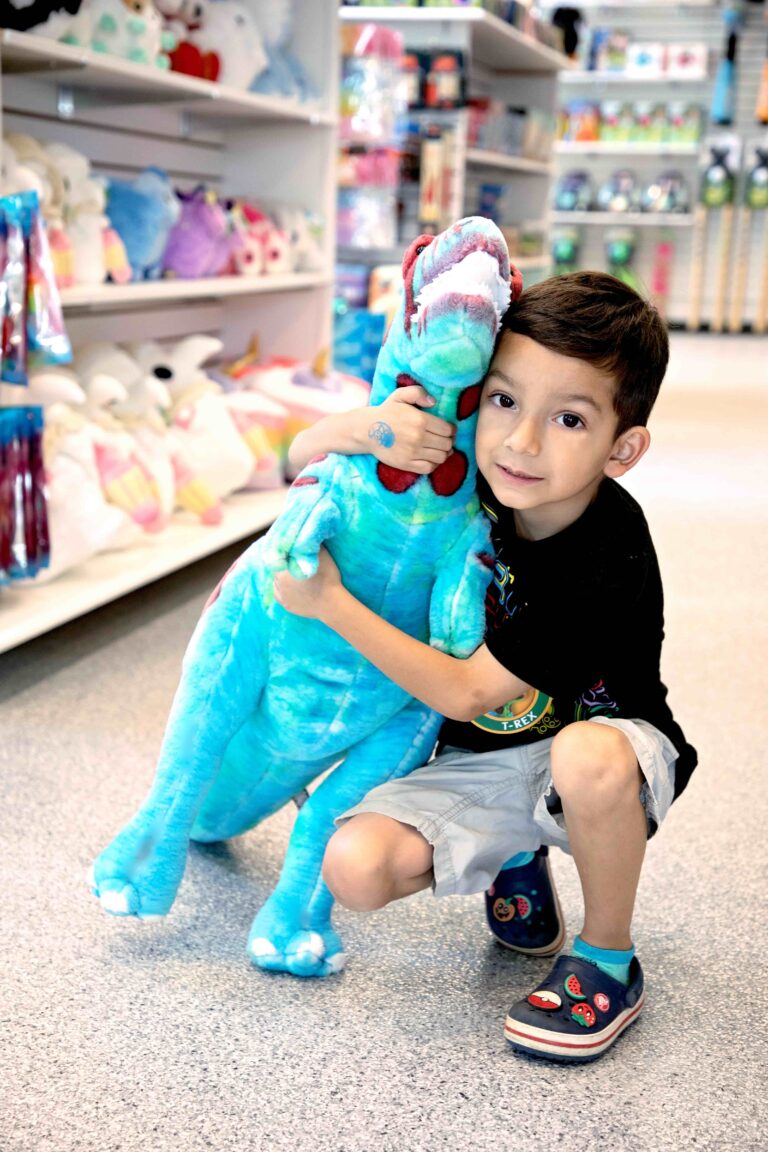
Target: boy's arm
{"type": "Point", "coordinates": [397, 432]}
{"type": "Point", "coordinates": [459, 689]}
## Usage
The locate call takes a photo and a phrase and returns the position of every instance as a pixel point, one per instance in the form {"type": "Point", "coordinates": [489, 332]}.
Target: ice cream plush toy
{"type": "Point", "coordinates": [269, 701]}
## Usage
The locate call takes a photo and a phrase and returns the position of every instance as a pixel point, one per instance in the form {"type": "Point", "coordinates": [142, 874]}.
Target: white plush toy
{"type": "Point", "coordinates": [36, 164]}
{"type": "Point", "coordinates": [124, 470]}
{"type": "Point", "coordinates": [84, 216]}
{"type": "Point", "coordinates": [212, 445]}
{"type": "Point", "coordinates": [81, 521]}
{"type": "Point", "coordinates": [133, 30]}
{"type": "Point", "coordinates": [230, 32]}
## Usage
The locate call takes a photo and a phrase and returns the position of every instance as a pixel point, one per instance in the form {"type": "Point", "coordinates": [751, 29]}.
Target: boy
{"type": "Point", "coordinates": [557, 728]}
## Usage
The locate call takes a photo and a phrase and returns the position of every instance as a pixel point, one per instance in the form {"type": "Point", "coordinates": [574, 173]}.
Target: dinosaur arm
{"type": "Point", "coordinates": [457, 607]}
{"type": "Point", "coordinates": [459, 689]}
{"type": "Point", "coordinates": [312, 514]}
{"type": "Point", "coordinates": [397, 432]}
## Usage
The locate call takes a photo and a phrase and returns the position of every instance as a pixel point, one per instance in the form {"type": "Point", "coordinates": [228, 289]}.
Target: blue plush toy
{"type": "Point", "coordinates": [269, 701]}
{"type": "Point", "coordinates": [142, 212]}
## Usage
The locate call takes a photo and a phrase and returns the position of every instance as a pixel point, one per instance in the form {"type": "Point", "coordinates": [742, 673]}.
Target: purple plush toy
{"type": "Point", "coordinates": [202, 241]}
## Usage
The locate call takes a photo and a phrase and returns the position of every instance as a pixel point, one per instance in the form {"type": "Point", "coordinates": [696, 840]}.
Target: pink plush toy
{"type": "Point", "coordinates": [266, 249]}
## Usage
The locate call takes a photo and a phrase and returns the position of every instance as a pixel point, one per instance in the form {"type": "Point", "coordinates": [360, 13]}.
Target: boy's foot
{"type": "Point", "coordinates": [576, 1014]}
{"type": "Point", "coordinates": [523, 909]}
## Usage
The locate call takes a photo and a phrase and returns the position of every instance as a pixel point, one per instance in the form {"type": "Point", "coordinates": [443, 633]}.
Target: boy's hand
{"type": "Point", "coordinates": [312, 597]}
{"type": "Point", "coordinates": [402, 435]}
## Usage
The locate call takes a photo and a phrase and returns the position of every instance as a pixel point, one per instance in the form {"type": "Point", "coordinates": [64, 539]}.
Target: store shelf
{"type": "Point", "coordinates": [493, 43]}
{"type": "Point", "coordinates": [623, 148]}
{"type": "Point", "coordinates": [625, 219]}
{"type": "Point", "coordinates": [214, 288]}
{"type": "Point", "coordinates": [30, 610]}
{"type": "Point", "coordinates": [581, 77]}
{"type": "Point", "coordinates": [117, 81]}
{"type": "Point", "coordinates": [480, 158]}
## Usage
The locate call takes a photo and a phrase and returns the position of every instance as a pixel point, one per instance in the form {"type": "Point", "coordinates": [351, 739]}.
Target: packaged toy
{"type": "Point", "coordinates": [269, 701]}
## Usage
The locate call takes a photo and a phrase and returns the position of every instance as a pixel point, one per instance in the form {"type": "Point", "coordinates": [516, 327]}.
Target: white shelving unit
{"type": "Point", "coordinates": [627, 148]}
{"type": "Point", "coordinates": [502, 63]}
{"type": "Point", "coordinates": [626, 219]}
{"type": "Point", "coordinates": [125, 117]}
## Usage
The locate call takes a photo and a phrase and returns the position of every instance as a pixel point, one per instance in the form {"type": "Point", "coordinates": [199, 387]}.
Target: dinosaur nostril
{"type": "Point", "coordinates": [162, 373]}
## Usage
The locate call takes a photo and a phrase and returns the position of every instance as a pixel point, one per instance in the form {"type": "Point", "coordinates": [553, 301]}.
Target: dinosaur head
{"type": "Point", "coordinates": [457, 286]}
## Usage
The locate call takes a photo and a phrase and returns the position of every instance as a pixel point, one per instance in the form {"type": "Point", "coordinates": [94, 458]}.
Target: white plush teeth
{"type": "Point", "coordinates": [477, 275]}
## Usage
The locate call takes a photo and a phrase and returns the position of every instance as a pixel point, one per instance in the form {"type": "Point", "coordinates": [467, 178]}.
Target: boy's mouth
{"type": "Point", "coordinates": [519, 476]}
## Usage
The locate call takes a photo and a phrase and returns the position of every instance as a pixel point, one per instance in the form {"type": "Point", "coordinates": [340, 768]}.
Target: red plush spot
{"type": "Point", "coordinates": [304, 481]}
{"type": "Point", "coordinates": [317, 459]}
{"type": "Point", "coordinates": [403, 380]}
{"type": "Point", "coordinates": [468, 401]}
{"type": "Point", "coordinates": [395, 480]}
{"type": "Point", "coordinates": [217, 590]}
{"type": "Point", "coordinates": [486, 559]}
{"type": "Point", "coordinates": [449, 476]}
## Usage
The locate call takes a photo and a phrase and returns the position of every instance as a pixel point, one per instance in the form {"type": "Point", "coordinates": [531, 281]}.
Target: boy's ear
{"type": "Point", "coordinates": [628, 449]}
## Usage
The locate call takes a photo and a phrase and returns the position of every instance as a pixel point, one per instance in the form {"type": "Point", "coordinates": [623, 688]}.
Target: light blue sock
{"type": "Point", "coordinates": [518, 860]}
{"type": "Point", "coordinates": [612, 961]}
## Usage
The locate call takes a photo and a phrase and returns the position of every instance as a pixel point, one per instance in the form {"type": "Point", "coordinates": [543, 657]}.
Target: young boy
{"type": "Point", "coordinates": [557, 728]}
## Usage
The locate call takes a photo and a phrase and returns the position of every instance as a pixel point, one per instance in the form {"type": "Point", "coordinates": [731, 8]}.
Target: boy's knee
{"type": "Point", "coordinates": [355, 867]}
{"type": "Point", "coordinates": [593, 761]}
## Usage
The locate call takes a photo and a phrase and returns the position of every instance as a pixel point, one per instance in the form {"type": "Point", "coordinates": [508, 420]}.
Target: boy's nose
{"type": "Point", "coordinates": [524, 438]}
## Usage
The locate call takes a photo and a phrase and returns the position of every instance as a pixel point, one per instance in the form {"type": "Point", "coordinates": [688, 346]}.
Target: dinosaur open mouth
{"type": "Point", "coordinates": [478, 274]}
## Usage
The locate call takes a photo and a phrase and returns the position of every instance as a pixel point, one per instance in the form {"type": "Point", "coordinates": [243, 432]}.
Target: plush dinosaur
{"type": "Point", "coordinates": [269, 701]}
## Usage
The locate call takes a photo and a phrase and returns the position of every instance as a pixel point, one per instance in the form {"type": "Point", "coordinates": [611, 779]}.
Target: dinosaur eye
{"type": "Point", "coordinates": [415, 249]}
{"type": "Point", "coordinates": [420, 248]}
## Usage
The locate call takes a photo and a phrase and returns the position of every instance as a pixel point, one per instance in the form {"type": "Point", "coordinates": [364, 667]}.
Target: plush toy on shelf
{"type": "Point", "coordinates": [212, 446]}
{"type": "Point", "coordinates": [143, 212]}
{"type": "Point", "coordinates": [284, 75]}
{"type": "Point", "coordinates": [81, 521]}
{"type": "Point", "coordinates": [203, 241]}
{"type": "Point", "coordinates": [254, 721]}
{"type": "Point", "coordinates": [227, 31]}
{"type": "Point", "coordinates": [124, 472]}
{"type": "Point", "coordinates": [35, 163]}
{"type": "Point", "coordinates": [141, 414]}
{"type": "Point", "coordinates": [265, 249]}
{"type": "Point", "coordinates": [305, 231]}
{"type": "Point", "coordinates": [133, 31]}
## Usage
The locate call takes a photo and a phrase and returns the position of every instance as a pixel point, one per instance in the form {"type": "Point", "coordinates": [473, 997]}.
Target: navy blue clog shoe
{"type": "Point", "coordinates": [523, 910]}
{"type": "Point", "coordinates": [576, 1014]}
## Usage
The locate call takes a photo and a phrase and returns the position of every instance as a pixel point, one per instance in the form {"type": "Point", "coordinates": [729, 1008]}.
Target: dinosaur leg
{"type": "Point", "coordinates": [293, 932]}
{"type": "Point", "coordinates": [139, 873]}
{"type": "Point", "coordinates": [250, 786]}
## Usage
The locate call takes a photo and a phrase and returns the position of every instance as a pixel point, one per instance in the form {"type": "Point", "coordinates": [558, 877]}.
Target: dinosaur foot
{"type": "Point", "coordinates": [139, 873]}
{"type": "Point", "coordinates": [301, 953]}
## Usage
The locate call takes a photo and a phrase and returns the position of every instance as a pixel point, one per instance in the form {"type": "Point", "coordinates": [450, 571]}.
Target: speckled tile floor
{"type": "Point", "coordinates": [124, 1037]}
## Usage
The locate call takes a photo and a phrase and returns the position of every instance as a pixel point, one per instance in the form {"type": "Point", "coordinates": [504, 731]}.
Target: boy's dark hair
{"type": "Point", "coordinates": [595, 317]}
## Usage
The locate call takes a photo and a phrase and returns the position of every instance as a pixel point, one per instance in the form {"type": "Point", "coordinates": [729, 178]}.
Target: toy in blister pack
{"type": "Point", "coordinates": [619, 193]}
{"type": "Point", "coordinates": [573, 192]}
{"type": "Point", "coordinates": [24, 538]}
{"type": "Point", "coordinates": [47, 338]}
{"type": "Point", "coordinates": [667, 192]}
{"type": "Point", "coordinates": [14, 277]}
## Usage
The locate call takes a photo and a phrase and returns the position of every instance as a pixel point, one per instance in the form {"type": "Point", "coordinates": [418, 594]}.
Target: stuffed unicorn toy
{"type": "Point", "coordinates": [269, 701]}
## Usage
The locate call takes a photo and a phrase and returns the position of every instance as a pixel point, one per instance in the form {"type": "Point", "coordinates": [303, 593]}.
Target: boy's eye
{"type": "Point", "coordinates": [571, 420]}
{"type": "Point", "coordinates": [501, 400]}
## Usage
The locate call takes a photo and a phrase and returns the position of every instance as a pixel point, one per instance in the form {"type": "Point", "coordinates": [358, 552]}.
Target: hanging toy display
{"type": "Point", "coordinates": [755, 205]}
{"type": "Point", "coordinates": [32, 334]}
{"type": "Point", "coordinates": [619, 193]}
{"type": "Point", "coordinates": [573, 192]}
{"type": "Point", "coordinates": [668, 192]}
{"type": "Point", "coordinates": [619, 251]}
{"type": "Point", "coordinates": [566, 245]}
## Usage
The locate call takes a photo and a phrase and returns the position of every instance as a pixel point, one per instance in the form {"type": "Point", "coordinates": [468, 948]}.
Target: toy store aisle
{"type": "Point", "coordinates": [161, 1037]}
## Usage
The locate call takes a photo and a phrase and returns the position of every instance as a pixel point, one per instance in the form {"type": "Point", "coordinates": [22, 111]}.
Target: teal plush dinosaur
{"type": "Point", "coordinates": [269, 701]}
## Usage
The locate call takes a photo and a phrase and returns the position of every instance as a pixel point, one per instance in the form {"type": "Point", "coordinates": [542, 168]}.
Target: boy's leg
{"type": "Point", "coordinates": [580, 1009]}
{"type": "Point", "coordinates": [597, 776]}
{"type": "Point", "coordinates": [373, 859]}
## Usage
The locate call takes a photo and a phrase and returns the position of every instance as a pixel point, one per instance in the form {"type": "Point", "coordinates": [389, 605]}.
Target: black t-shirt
{"type": "Point", "coordinates": [580, 615]}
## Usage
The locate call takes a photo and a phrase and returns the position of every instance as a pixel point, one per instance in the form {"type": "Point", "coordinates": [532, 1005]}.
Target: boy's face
{"type": "Point", "coordinates": [546, 434]}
